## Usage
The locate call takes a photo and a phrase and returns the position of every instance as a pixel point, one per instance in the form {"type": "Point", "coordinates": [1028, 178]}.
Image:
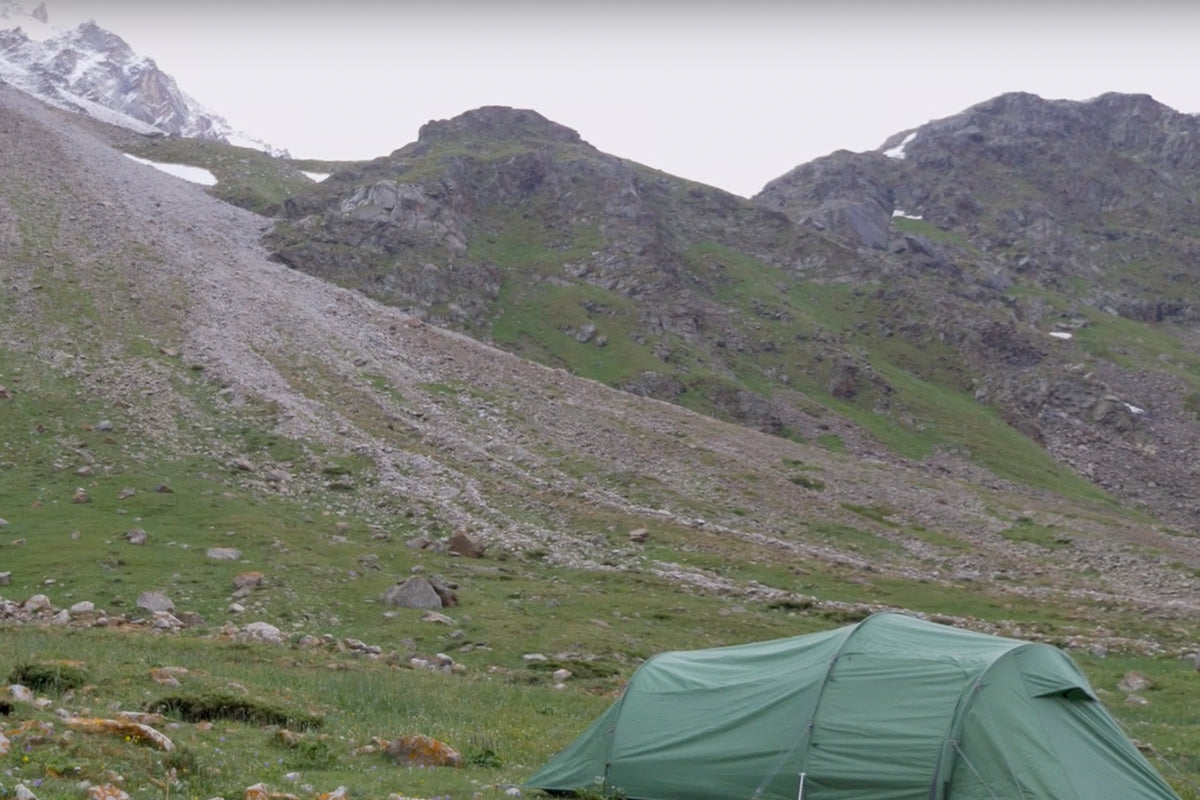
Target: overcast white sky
{"type": "Point", "coordinates": [730, 93]}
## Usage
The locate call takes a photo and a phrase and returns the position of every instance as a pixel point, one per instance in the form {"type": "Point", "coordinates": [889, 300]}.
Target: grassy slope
{"type": "Point", "coordinates": [501, 712]}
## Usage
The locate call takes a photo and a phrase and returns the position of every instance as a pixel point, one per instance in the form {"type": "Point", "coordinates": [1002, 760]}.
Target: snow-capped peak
{"type": "Point", "coordinates": [94, 71]}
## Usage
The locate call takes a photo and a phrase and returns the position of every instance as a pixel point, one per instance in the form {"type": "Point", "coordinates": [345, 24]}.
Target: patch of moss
{"type": "Point", "coordinates": [214, 706]}
{"type": "Point", "coordinates": [51, 676]}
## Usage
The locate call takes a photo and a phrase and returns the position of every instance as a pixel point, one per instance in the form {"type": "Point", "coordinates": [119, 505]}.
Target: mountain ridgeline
{"type": "Point", "coordinates": [1015, 287]}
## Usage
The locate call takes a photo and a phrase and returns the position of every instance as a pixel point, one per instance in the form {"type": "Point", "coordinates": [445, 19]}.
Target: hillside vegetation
{"type": "Point", "coordinates": [172, 392]}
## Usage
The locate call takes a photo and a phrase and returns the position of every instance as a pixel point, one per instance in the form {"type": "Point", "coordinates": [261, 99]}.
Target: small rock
{"type": "Point", "coordinates": [136, 536]}
{"type": "Point", "coordinates": [84, 471]}
{"type": "Point", "coordinates": [5, 578]}
{"type": "Point", "coordinates": [22, 792]}
{"type": "Point", "coordinates": [103, 425]}
{"type": "Point", "coordinates": [462, 543]}
{"type": "Point", "coordinates": [1134, 681]}
{"type": "Point", "coordinates": [223, 553]}
{"type": "Point", "coordinates": [5, 394]}
{"type": "Point", "coordinates": [63, 617]}
{"type": "Point", "coordinates": [440, 619]}
{"type": "Point", "coordinates": [190, 619]}
{"type": "Point", "coordinates": [162, 488]}
{"type": "Point", "coordinates": [21, 694]}
{"type": "Point", "coordinates": [256, 792]}
{"type": "Point", "coordinates": [530, 658]}
{"type": "Point", "coordinates": [126, 493]}
{"type": "Point", "coordinates": [36, 603]}
{"type": "Point", "coordinates": [1136, 700]}
{"type": "Point", "coordinates": [81, 496]}
{"type": "Point", "coordinates": [248, 580]}
{"type": "Point", "coordinates": [5, 744]}
{"type": "Point", "coordinates": [242, 465]}
{"type": "Point", "coordinates": [155, 601]}
{"type": "Point", "coordinates": [561, 675]}
{"type": "Point", "coordinates": [106, 791]}
{"type": "Point", "coordinates": [415, 592]}
{"type": "Point", "coordinates": [3, 523]}
{"type": "Point", "coordinates": [82, 607]}
{"type": "Point", "coordinates": [261, 632]}
{"type": "Point", "coordinates": [235, 608]}
{"type": "Point", "coordinates": [418, 750]}
{"type": "Point", "coordinates": [164, 676]}
{"type": "Point", "coordinates": [639, 535]}
{"type": "Point", "coordinates": [165, 621]}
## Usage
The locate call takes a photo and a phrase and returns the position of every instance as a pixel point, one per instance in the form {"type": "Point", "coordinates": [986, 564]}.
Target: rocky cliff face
{"type": "Point", "coordinates": [94, 71]}
{"type": "Point", "coordinates": [1037, 258]}
{"type": "Point", "coordinates": [1081, 220]}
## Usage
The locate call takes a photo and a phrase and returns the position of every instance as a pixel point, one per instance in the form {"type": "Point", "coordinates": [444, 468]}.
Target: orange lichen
{"type": "Point", "coordinates": [133, 731]}
{"type": "Point", "coordinates": [417, 750]}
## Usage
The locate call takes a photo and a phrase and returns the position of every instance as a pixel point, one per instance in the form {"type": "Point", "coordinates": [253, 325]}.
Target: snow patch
{"type": "Point", "coordinates": [1061, 334]}
{"type": "Point", "coordinates": [194, 174]}
{"type": "Point", "coordinates": [898, 150]}
{"type": "Point", "coordinates": [315, 176]}
{"type": "Point", "coordinates": [13, 15]}
{"type": "Point", "coordinates": [899, 212]}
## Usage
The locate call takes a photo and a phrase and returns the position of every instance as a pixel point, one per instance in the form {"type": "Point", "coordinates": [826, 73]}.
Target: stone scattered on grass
{"type": "Point", "coordinates": [106, 791]}
{"type": "Point", "coordinates": [155, 601]}
{"type": "Point", "coordinates": [418, 750]}
{"type": "Point", "coordinates": [36, 603]}
{"type": "Point", "coordinates": [259, 791]}
{"type": "Point", "coordinates": [134, 731]}
{"type": "Point", "coordinates": [414, 592]}
{"type": "Point", "coordinates": [260, 632]}
{"type": "Point", "coordinates": [1134, 681]}
{"type": "Point", "coordinates": [223, 553]}
{"type": "Point", "coordinates": [248, 580]}
{"type": "Point", "coordinates": [463, 543]}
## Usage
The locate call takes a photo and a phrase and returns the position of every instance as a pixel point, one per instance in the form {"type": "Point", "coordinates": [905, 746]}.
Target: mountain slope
{"type": "Point", "coordinates": [94, 72]}
{"type": "Point", "coordinates": [1080, 221]}
{"type": "Point", "coordinates": [134, 298]}
{"type": "Point", "coordinates": [829, 309]}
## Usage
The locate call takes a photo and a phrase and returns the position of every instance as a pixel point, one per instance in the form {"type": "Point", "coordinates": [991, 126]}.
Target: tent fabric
{"type": "Point", "coordinates": [891, 708]}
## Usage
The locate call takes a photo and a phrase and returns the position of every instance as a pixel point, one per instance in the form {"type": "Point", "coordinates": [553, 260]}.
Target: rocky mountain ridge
{"type": "Point", "coordinates": [1001, 254]}
{"type": "Point", "coordinates": [95, 72]}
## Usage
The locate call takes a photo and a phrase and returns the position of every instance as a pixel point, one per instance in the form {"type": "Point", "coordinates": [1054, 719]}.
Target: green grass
{"type": "Point", "coordinates": [1047, 536]}
{"type": "Point", "coordinates": [245, 177]}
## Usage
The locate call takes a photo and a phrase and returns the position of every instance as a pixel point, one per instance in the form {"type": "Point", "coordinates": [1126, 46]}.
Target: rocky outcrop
{"type": "Point", "coordinates": [95, 72]}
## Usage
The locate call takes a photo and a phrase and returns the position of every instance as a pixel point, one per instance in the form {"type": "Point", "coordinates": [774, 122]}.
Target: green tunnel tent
{"type": "Point", "coordinates": [891, 708]}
